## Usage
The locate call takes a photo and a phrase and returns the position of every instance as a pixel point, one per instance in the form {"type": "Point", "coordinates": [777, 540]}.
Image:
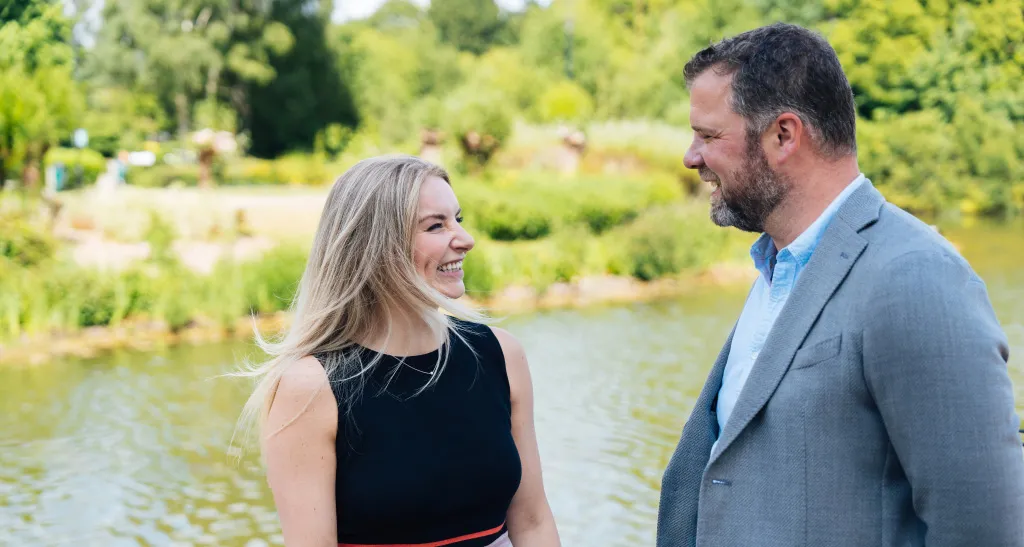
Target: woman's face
{"type": "Point", "coordinates": [440, 242]}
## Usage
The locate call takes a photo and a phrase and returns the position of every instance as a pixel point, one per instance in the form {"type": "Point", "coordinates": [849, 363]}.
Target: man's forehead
{"type": "Point", "coordinates": [709, 99]}
{"type": "Point", "coordinates": [711, 87]}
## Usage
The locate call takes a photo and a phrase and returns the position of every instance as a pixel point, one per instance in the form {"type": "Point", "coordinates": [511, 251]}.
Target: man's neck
{"type": "Point", "coordinates": [807, 200]}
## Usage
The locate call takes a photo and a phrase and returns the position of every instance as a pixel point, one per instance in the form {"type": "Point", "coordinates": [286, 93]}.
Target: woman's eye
{"type": "Point", "coordinates": [435, 227]}
{"type": "Point", "coordinates": [458, 219]}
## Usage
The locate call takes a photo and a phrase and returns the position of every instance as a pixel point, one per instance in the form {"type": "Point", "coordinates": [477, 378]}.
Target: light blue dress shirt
{"type": "Point", "coordinates": [779, 272]}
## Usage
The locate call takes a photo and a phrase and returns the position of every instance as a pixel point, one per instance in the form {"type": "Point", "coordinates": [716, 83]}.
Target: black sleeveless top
{"type": "Point", "coordinates": [433, 467]}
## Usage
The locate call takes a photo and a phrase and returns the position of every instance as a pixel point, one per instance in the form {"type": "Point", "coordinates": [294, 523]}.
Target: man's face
{"type": "Point", "coordinates": [746, 188]}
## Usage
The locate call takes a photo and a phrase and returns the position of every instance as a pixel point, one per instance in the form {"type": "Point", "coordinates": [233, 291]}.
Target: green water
{"type": "Point", "coordinates": [131, 448]}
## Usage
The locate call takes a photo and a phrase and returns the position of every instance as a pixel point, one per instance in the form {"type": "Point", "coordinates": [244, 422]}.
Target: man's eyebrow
{"type": "Point", "coordinates": [701, 129]}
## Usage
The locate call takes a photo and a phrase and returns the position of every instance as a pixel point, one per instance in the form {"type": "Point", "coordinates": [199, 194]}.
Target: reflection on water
{"type": "Point", "coordinates": [127, 450]}
{"type": "Point", "coordinates": [131, 448]}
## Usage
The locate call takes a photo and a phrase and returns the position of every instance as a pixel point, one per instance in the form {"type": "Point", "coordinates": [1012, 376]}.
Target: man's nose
{"type": "Point", "coordinates": [693, 158]}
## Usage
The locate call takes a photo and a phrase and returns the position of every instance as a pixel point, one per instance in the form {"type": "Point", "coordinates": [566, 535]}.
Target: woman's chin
{"type": "Point", "coordinates": [451, 289]}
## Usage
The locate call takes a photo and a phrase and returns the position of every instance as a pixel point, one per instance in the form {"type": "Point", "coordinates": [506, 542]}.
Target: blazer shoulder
{"type": "Point", "coordinates": [900, 237]}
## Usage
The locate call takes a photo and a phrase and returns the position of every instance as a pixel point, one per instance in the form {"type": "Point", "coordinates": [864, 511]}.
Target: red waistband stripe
{"type": "Point", "coordinates": [441, 543]}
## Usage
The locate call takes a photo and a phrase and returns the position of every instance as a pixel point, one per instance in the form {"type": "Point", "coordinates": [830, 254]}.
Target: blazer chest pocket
{"type": "Point", "coordinates": [817, 352]}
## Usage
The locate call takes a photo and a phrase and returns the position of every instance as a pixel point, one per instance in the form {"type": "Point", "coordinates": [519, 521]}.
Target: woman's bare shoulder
{"type": "Point", "coordinates": [303, 397]}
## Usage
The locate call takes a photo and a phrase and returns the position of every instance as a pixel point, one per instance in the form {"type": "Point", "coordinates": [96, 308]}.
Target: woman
{"type": "Point", "coordinates": [383, 420]}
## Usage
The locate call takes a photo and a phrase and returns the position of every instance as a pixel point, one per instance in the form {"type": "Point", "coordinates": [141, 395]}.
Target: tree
{"type": "Point", "coordinates": [188, 51]}
{"type": "Point", "coordinates": [21, 11]}
{"type": "Point", "coordinates": [307, 95]}
{"type": "Point", "coordinates": [395, 63]}
{"type": "Point", "coordinates": [39, 100]}
{"type": "Point", "coordinates": [480, 119]}
{"type": "Point", "coordinates": [469, 25]}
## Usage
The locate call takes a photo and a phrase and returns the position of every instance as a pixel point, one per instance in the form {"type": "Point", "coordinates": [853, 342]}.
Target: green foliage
{"type": "Point", "coordinates": [927, 165]}
{"type": "Point", "coordinates": [663, 241]}
{"type": "Point", "coordinates": [40, 102]}
{"type": "Point", "coordinates": [161, 175]}
{"type": "Point", "coordinates": [505, 71]}
{"type": "Point", "coordinates": [23, 241]}
{"type": "Point", "coordinates": [60, 296]}
{"type": "Point", "coordinates": [80, 165]}
{"type": "Point", "coordinates": [21, 10]}
{"type": "Point", "coordinates": [565, 102]}
{"type": "Point", "coordinates": [160, 235]}
{"type": "Point", "coordinates": [270, 283]}
{"type": "Point", "coordinates": [637, 146]}
{"type": "Point", "coordinates": [308, 93]}
{"type": "Point", "coordinates": [390, 71]}
{"type": "Point", "coordinates": [534, 205]}
{"type": "Point", "coordinates": [481, 121]}
{"type": "Point", "coordinates": [120, 119]}
{"type": "Point", "coordinates": [469, 25]}
{"type": "Point", "coordinates": [668, 241]}
{"type": "Point", "coordinates": [332, 140]}
{"type": "Point", "coordinates": [266, 67]}
{"type": "Point", "coordinates": [937, 84]}
{"type": "Point", "coordinates": [293, 169]}
{"type": "Point", "coordinates": [478, 272]}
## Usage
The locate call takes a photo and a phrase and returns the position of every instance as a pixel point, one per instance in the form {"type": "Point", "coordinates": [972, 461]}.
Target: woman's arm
{"type": "Point", "coordinates": [298, 446]}
{"type": "Point", "coordinates": [530, 521]}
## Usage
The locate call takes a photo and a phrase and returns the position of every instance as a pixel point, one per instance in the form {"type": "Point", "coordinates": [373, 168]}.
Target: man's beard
{"type": "Point", "coordinates": [750, 198]}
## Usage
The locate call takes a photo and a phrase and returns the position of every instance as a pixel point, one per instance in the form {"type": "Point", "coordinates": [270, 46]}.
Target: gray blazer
{"type": "Point", "coordinates": [879, 412]}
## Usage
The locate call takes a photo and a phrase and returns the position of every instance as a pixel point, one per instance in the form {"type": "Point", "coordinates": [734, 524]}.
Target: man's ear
{"type": "Point", "coordinates": [787, 135]}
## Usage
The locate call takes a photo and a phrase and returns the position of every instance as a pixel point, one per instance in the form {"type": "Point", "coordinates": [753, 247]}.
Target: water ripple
{"type": "Point", "coordinates": [132, 449]}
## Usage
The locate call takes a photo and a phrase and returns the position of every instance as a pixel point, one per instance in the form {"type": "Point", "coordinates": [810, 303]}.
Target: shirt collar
{"type": "Point", "coordinates": [764, 253]}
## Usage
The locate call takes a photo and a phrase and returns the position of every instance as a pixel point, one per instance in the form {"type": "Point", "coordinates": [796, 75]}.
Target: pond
{"type": "Point", "coordinates": [132, 448]}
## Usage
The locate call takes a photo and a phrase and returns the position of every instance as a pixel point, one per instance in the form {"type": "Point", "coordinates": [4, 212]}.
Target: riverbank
{"type": "Point", "coordinates": [141, 335]}
{"type": "Point", "coordinates": [146, 267]}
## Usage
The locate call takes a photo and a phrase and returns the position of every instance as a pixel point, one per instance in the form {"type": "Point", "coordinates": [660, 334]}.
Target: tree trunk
{"type": "Point", "coordinates": [240, 102]}
{"type": "Point", "coordinates": [6, 146]}
{"type": "Point", "coordinates": [33, 170]}
{"type": "Point", "coordinates": [181, 108]}
{"type": "Point", "coordinates": [206, 168]}
{"type": "Point", "coordinates": [212, 79]}
{"type": "Point", "coordinates": [30, 172]}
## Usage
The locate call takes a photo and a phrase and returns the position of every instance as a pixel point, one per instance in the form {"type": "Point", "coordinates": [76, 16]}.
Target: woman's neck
{"type": "Point", "coordinates": [410, 335]}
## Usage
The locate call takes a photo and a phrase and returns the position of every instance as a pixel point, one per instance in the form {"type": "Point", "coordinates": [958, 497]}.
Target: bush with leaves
{"type": "Point", "coordinates": [480, 120]}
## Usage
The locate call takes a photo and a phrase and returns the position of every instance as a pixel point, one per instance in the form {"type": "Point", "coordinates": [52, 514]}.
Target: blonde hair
{"type": "Point", "coordinates": [359, 270]}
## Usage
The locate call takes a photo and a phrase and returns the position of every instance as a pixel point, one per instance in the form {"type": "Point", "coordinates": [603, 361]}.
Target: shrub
{"type": "Point", "coordinates": [535, 205]}
{"type": "Point", "coordinates": [162, 175]}
{"type": "Point", "coordinates": [480, 120]}
{"type": "Point", "coordinates": [478, 269]}
{"type": "Point", "coordinates": [22, 241]}
{"type": "Point", "coordinates": [90, 162]}
{"type": "Point", "coordinates": [670, 240]}
{"type": "Point", "coordinates": [61, 296]}
{"type": "Point", "coordinates": [565, 102]}
{"type": "Point", "coordinates": [294, 169]}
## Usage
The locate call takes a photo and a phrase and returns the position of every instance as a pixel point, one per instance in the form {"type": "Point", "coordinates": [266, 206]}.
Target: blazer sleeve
{"type": "Point", "coordinates": [935, 360]}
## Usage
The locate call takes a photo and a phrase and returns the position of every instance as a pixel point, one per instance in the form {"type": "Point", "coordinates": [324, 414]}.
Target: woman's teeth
{"type": "Point", "coordinates": [450, 267]}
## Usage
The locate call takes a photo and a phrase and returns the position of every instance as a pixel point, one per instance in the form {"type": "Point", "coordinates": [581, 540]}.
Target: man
{"type": "Point", "coordinates": [862, 397]}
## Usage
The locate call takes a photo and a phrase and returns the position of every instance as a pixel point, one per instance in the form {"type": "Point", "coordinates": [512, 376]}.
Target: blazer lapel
{"type": "Point", "coordinates": [835, 254]}
{"type": "Point", "coordinates": [705, 406]}
{"type": "Point", "coordinates": [680, 492]}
